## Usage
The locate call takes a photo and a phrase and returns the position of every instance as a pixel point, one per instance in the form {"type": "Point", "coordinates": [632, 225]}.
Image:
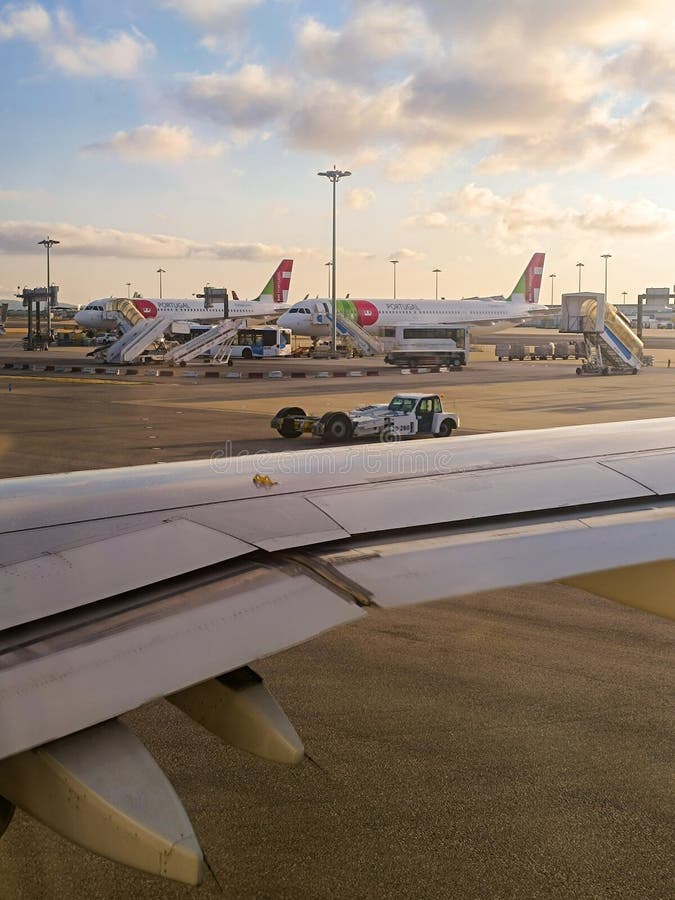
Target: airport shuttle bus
{"type": "Point", "coordinates": [261, 343]}
{"type": "Point", "coordinates": [416, 345]}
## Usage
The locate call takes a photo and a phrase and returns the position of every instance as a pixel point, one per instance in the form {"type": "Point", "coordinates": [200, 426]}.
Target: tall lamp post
{"type": "Point", "coordinates": [128, 290]}
{"type": "Point", "coordinates": [329, 265]}
{"type": "Point", "coordinates": [606, 256]}
{"type": "Point", "coordinates": [580, 266]}
{"type": "Point", "coordinates": [436, 273]}
{"type": "Point", "coordinates": [334, 175]}
{"type": "Point", "coordinates": [623, 294]}
{"type": "Point", "coordinates": [48, 243]}
{"type": "Point", "coordinates": [552, 277]}
{"type": "Point", "coordinates": [160, 272]}
{"type": "Point", "coordinates": [394, 263]}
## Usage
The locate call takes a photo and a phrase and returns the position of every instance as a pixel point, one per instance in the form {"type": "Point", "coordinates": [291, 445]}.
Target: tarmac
{"type": "Point", "coordinates": [510, 744]}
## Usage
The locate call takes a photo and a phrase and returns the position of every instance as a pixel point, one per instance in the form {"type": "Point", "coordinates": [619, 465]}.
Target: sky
{"type": "Point", "coordinates": [188, 134]}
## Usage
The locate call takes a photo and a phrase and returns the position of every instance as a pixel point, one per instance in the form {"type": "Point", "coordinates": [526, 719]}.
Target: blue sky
{"type": "Point", "coordinates": [187, 134]}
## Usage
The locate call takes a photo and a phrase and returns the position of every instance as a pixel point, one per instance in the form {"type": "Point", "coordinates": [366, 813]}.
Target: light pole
{"type": "Point", "coordinates": [334, 175]}
{"type": "Point", "coordinates": [394, 263]}
{"type": "Point", "coordinates": [580, 266]}
{"type": "Point", "coordinates": [436, 273]}
{"type": "Point", "coordinates": [623, 294]}
{"type": "Point", "coordinates": [47, 244]}
{"type": "Point", "coordinates": [552, 277]}
{"type": "Point", "coordinates": [329, 265]}
{"type": "Point", "coordinates": [128, 290]}
{"type": "Point", "coordinates": [605, 256]}
{"type": "Point", "coordinates": [160, 272]}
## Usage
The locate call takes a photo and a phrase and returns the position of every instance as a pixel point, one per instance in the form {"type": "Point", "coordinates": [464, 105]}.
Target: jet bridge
{"type": "Point", "coordinates": [612, 347]}
{"type": "Point", "coordinates": [217, 342]}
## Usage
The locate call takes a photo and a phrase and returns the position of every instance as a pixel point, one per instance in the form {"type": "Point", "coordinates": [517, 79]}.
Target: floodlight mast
{"type": "Point", "coordinates": [333, 175]}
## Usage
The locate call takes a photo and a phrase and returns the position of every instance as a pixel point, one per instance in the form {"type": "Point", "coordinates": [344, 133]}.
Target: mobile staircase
{"type": "Point", "coordinates": [217, 342]}
{"type": "Point", "coordinates": [612, 347]}
{"type": "Point", "coordinates": [138, 339]}
{"type": "Point", "coordinates": [359, 337]}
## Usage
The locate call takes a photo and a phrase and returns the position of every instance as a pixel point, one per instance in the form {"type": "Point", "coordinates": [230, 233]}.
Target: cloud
{"type": "Point", "coordinates": [63, 47]}
{"type": "Point", "coordinates": [90, 241]}
{"type": "Point", "coordinates": [515, 221]}
{"type": "Point", "coordinates": [212, 15]}
{"type": "Point", "coordinates": [406, 254]}
{"type": "Point", "coordinates": [156, 143]}
{"type": "Point", "coordinates": [360, 198]}
{"type": "Point", "coordinates": [377, 35]}
{"type": "Point", "coordinates": [427, 220]}
{"type": "Point", "coordinates": [248, 98]}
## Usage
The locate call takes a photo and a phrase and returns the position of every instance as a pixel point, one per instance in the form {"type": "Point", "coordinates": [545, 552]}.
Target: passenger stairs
{"type": "Point", "coordinates": [139, 338]}
{"type": "Point", "coordinates": [612, 347]}
{"type": "Point", "coordinates": [366, 343]}
{"type": "Point", "coordinates": [127, 313]}
{"type": "Point", "coordinates": [216, 342]}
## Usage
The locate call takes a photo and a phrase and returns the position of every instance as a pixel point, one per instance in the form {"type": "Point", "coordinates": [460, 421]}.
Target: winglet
{"type": "Point", "coordinates": [529, 283]}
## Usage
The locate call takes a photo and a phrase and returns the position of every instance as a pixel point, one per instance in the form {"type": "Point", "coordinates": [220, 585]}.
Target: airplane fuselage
{"type": "Point", "coordinates": [312, 318]}
{"type": "Point", "coordinates": [99, 316]}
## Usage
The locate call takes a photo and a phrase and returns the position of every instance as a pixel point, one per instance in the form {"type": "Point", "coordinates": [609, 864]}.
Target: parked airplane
{"type": "Point", "coordinates": [98, 315]}
{"type": "Point", "coordinates": [312, 318]}
{"type": "Point", "coordinates": [124, 585]}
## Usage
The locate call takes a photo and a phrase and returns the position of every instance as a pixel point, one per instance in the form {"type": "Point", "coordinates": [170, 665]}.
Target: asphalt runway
{"type": "Point", "coordinates": [505, 745]}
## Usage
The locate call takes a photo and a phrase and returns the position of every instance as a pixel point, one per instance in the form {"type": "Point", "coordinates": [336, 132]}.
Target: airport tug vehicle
{"type": "Point", "coordinates": [406, 415]}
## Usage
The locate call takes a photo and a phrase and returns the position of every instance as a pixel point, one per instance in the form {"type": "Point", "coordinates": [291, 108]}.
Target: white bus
{"type": "Point", "coordinates": [415, 345]}
{"type": "Point", "coordinates": [261, 343]}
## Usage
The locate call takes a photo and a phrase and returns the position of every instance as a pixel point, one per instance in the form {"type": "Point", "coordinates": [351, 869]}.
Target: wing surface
{"type": "Point", "coordinates": [125, 585]}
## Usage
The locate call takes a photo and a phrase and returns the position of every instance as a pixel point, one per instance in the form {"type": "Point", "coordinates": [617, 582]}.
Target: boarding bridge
{"type": "Point", "coordinates": [347, 328]}
{"type": "Point", "coordinates": [612, 347]}
{"type": "Point", "coordinates": [138, 339]}
{"type": "Point", "coordinates": [216, 342]}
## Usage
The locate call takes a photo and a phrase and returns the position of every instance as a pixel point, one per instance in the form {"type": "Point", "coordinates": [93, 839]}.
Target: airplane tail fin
{"type": "Point", "coordinates": [276, 289]}
{"type": "Point", "coordinates": [235, 297]}
{"type": "Point", "coordinates": [529, 283]}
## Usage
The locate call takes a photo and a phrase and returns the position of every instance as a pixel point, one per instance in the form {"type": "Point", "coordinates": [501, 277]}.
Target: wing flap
{"type": "Point", "coordinates": [71, 678]}
{"type": "Point", "coordinates": [55, 582]}
{"type": "Point", "coordinates": [409, 569]}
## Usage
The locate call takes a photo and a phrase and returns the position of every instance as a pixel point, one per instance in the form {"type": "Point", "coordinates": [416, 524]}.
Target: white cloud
{"type": "Point", "coordinates": [378, 34]}
{"type": "Point", "coordinates": [248, 98]}
{"type": "Point", "coordinates": [514, 222]}
{"type": "Point", "coordinates": [427, 220]}
{"type": "Point", "coordinates": [215, 15]}
{"type": "Point", "coordinates": [405, 253]}
{"type": "Point", "coordinates": [63, 47]}
{"type": "Point", "coordinates": [90, 241]}
{"type": "Point", "coordinates": [360, 198]}
{"type": "Point", "coordinates": [156, 143]}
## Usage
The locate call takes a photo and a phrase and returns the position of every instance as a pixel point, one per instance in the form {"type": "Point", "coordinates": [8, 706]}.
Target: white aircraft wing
{"type": "Point", "coordinates": [125, 585]}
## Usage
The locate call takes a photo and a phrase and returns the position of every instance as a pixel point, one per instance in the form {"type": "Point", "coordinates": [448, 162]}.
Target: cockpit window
{"type": "Point", "coordinates": [402, 404]}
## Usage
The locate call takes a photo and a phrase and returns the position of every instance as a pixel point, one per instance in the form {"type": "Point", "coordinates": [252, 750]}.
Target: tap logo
{"type": "Point", "coordinates": [146, 308]}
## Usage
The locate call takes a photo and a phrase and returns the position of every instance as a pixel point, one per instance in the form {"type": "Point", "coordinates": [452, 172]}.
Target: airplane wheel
{"type": "Point", "coordinates": [337, 427]}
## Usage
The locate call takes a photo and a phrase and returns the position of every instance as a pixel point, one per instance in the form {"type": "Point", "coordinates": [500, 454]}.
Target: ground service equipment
{"type": "Point", "coordinates": [404, 416]}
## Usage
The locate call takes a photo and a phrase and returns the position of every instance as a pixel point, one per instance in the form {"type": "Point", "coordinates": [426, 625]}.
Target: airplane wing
{"type": "Point", "coordinates": [125, 585]}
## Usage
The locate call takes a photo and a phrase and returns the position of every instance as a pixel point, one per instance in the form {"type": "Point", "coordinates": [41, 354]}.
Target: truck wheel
{"type": "Point", "coordinates": [456, 362]}
{"type": "Point", "coordinates": [337, 427]}
{"type": "Point", "coordinates": [580, 371]}
{"type": "Point", "coordinates": [288, 429]}
{"type": "Point", "coordinates": [446, 428]}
